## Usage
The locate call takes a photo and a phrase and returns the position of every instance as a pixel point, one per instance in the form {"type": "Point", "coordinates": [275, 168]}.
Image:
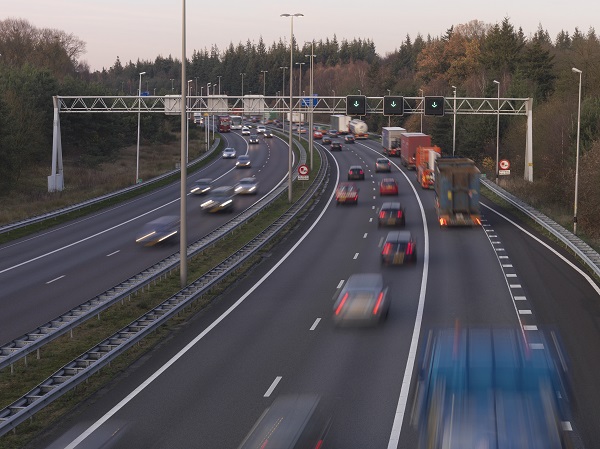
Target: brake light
{"type": "Point", "coordinates": [478, 221]}
{"type": "Point", "coordinates": [387, 248]}
{"type": "Point", "coordinates": [262, 446]}
{"type": "Point", "coordinates": [362, 172]}
{"type": "Point", "coordinates": [399, 214]}
{"type": "Point", "coordinates": [342, 302]}
{"type": "Point", "coordinates": [382, 214]}
{"type": "Point", "coordinates": [443, 222]}
{"type": "Point", "coordinates": [319, 444]}
{"type": "Point", "coordinates": [409, 248]}
{"type": "Point", "coordinates": [378, 303]}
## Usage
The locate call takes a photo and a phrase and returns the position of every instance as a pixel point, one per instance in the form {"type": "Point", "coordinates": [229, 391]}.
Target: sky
{"type": "Point", "coordinates": [136, 29]}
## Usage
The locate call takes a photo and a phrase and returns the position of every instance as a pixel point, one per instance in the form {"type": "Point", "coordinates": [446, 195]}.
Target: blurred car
{"type": "Point", "coordinates": [317, 135]}
{"type": "Point", "coordinates": [363, 301]}
{"type": "Point", "coordinates": [247, 186]}
{"type": "Point", "coordinates": [243, 161]}
{"type": "Point", "coordinates": [201, 186]}
{"type": "Point", "coordinates": [260, 129]}
{"type": "Point", "coordinates": [356, 172]}
{"type": "Point", "coordinates": [332, 132]}
{"type": "Point", "coordinates": [291, 422]}
{"type": "Point", "coordinates": [229, 153]}
{"type": "Point", "coordinates": [268, 134]}
{"type": "Point", "coordinates": [336, 146]}
{"type": "Point", "coordinates": [346, 192]}
{"type": "Point", "coordinates": [158, 230]}
{"type": "Point", "coordinates": [302, 130]}
{"type": "Point", "coordinates": [383, 164]}
{"type": "Point", "coordinates": [326, 140]}
{"type": "Point", "coordinates": [349, 138]}
{"type": "Point", "coordinates": [388, 186]}
{"type": "Point", "coordinates": [391, 214]}
{"type": "Point", "coordinates": [245, 131]}
{"type": "Point", "coordinates": [253, 138]}
{"type": "Point", "coordinates": [399, 247]}
{"type": "Point", "coordinates": [219, 199]}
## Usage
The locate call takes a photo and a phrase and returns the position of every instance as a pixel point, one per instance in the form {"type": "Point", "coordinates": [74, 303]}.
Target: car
{"type": "Point", "coordinates": [362, 301]}
{"type": "Point", "coordinates": [317, 135]}
{"type": "Point", "coordinates": [245, 131]}
{"type": "Point", "coordinates": [159, 230]}
{"type": "Point", "coordinates": [349, 138]}
{"type": "Point", "coordinates": [247, 186]}
{"type": "Point", "coordinates": [388, 186]}
{"type": "Point", "coordinates": [253, 138]}
{"type": "Point", "coordinates": [391, 214]}
{"type": "Point", "coordinates": [346, 192]}
{"type": "Point", "coordinates": [243, 161]}
{"type": "Point", "coordinates": [302, 130]}
{"type": "Point", "coordinates": [383, 164]}
{"type": "Point", "coordinates": [219, 199]}
{"type": "Point", "coordinates": [336, 146]}
{"type": "Point", "coordinates": [293, 421]}
{"type": "Point", "coordinates": [268, 134]}
{"type": "Point", "coordinates": [356, 172]}
{"type": "Point", "coordinates": [229, 153]}
{"type": "Point", "coordinates": [326, 140]}
{"type": "Point", "coordinates": [399, 248]}
{"type": "Point", "coordinates": [201, 186]}
{"type": "Point", "coordinates": [260, 129]}
{"type": "Point", "coordinates": [332, 132]}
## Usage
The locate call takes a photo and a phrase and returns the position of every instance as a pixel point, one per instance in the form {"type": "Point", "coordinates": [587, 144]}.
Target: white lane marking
{"type": "Point", "coordinates": [355, 256]}
{"type": "Point", "coordinates": [340, 284]}
{"type": "Point", "coordinates": [511, 275]}
{"type": "Point", "coordinates": [380, 242]}
{"type": "Point", "coordinates": [525, 312]}
{"type": "Point", "coordinates": [272, 387]}
{"type": "Point", "coordinates": [536, 345]}
{"type": "Point", "coordinates": [492, 236]}
{"type": "Point", "coordinates": [495, 243]}
{"type": "Point", "coordinates": [113, 253]}
{"type": "Point", "coordinates": [530, 327]}
{"type": "Point", "coordinates": [502, 257]}
{"type": "Point", "coordinates": [56, 279]}
{"type": "Point", "coordinates": [315, 324]}
{"type": "Point", "coordinates": [374, 197]}
{"type": "Point", "coordinates": [365, 235]}
{"type": "Point", "coordinates": [566, 425]}
{"type": "Point", "coordinates": [515, 285]}
{"type": "Point", "coordinates": [507, 265]}
{"type": "Point", "coordinates": [373, 207]}
{"type": "Point", "coordinates": [370, 219]}
{"type": "Point", "coordinates": [520, 298]}
{"type": "Point", "coordinates": [499, 249]}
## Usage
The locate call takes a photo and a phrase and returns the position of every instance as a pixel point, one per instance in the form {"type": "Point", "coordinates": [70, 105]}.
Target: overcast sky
{"type": "Point", "coordinates": [144, 29]}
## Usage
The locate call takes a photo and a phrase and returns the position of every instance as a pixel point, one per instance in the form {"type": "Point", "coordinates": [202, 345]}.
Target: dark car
{"type": "Point", "coordinates": [201, 186]}
{"type": "Point", "coordinates": [243, 161]}
{"type": "Point", "coordinates": [336, 146]}
{"type": "Point", "coordinates": [399, 248]}
{"type": "Point", "coordinates": [346, 192]}
{"type": "Point", "coordinates": [356, 172]}
{"type": "Point", "coordinates": [388, 186]}
{"type": "Point", "coordinates": [158, 230]}
{"type": "Point", "coordinates": [349, 138]}
{"type": "Point", "coordinates": [383, 165]}
{"type": "Point", "coordinates": [268, 134]}
{"type": "Point", "coordinates": [363, 301]}
{"type": "Point", "coordinates": [292, 422]}
{"type": "Point", "coordinates": [391, 214]}
{"type": "Point", "coordinates": [253, 138]}
{"type": "Point", "coordinates": [332, 132]}
{"type": "Point", "coordinates": [326, 140]}
{"type": "Point", "coordinates": [247, 186]}
{"type": "Point", "coordinates": [220, 199]}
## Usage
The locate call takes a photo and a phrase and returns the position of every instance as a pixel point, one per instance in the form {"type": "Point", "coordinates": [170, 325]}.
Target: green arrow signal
{"type": "Point", "coordinates": [434, 105]}
{"type": "Point", "coordinates": [356, 104]}
{"type": "Point", "coordinates": [393, 104]}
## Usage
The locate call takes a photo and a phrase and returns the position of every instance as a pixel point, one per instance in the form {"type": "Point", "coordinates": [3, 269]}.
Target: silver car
{"type": "Point", "coordinates": [219, 199]}
{"type": "Point", "coordinates": [363, 301]}
{"type": "Point", "coordinates": [229, 153]}
{"type": "Point", "coordinates": [158, 230]}
{"type": "Point", "coordinates": [247, 186]}
{"type": "Point", "coordinates": [201, 186]}
{"type": "Point", "coordinates": [243, 161]}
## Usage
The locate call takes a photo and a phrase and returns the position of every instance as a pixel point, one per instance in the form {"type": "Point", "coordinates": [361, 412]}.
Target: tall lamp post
{"type": "Point", "coordinates": [300, 64]}
{"type": "Point", "coordinates": [291, 16]}
{"type": "Point", "coordinates": [172, 88]}
{"type": "Point", "coordinates": [422, 100]}
{"type": "Point", "coordinates": [389, 116]}
{"type": "Point", "coordinates": [454, 124]}
{"type": "Point", "coordinates": [577, 157]}
{"type": "Point", "coordinates": [219, 77]}
{"type": "Point", "coordinates": [264, 72]}
{"type": "Point", "coordinates": [283, 93]}
{"type": "Point", "coordinates": [206, 125]}
{"type": "Point", "coordinates": [183, 166]}
{"type": "Point", "coordinates": [242, 83]}
{"type": "Point", "coordinates": [497, 131]}
{"type": "Point", "coordinates": [187, 119]}
{"type": "Point", "coordinates": [311, 111]}
{"type": "Point", "coordinates": [137, 156]}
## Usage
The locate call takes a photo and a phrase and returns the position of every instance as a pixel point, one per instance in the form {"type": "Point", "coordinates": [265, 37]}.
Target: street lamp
{"type": "Point", "coordinates": [219, 76]}
{"type": "Point", "coordinates": [207, 118]}
{"type": "Point", "coordinates": [577, 157]}
{"type": "Point", "coordinates": [359, 92]}
{"type": "Point", "coordinates": [300, 64]}
{"type": "Point", "coordinates": [172, 88]}
{"type": "Point", "coordinates": [422, 112]}
{"type": "Point", "coordinates": [454, 125]}
{"type": "Point", "coordinates": [137, 157]}
{"type": "Point", "coordinates": [242, 83]}
{"type": "Point", "coordinates": [264, 72]}
{"type": "Point", "coordinates": [283, 92]}
{"type": "Point", "coordinates": [312, 107]}
{"type": "Point", "coordinates": [291, 16]}
{"type": "Point", "coordinates": [497, 130]}
{"type": "Point", "coordinates": [389, 116]}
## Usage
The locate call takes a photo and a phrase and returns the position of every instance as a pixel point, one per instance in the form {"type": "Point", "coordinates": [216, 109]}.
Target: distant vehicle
{"type": "Point", "coordinates": [291, 422]}
{"type": "Point", "coordinates": [326, 140]}
{"type": "Point", "coordinates": [261, 129]}
{"type": "Point", "coordinates": [339, 122]}
{"type": "Point", "coordinates": [236, 122]}
{"type": "Point", "coordinates": [391, 214]}
{"type": "Point", "coordinates": [219, 199]}
{"type": "Point", "coordinates": [332, 132]}
{"type": "Point", "coordinates": [349, 138]}
{"type": "Point", "coordinates": [229, 153]}
{"type": "Point", "coordinates": [356, 172]}
{"type": "Point", "coordinates": [158, 230]}
{"type": "Point", "coordinates": [457, 187]}
{"type": "Point", "coordinates": [425, 163]}
{"type": "Point", "coordinates": [247, 186]}
{"type": "Point", "coordinates": [388, 186]}
{"type": "Point", "coordinates": [409, 142]}
{"type": "Point", "coordinates": [224, 123]}
{"type": "Point", "coordinates": [245, 131]}
{"type": "Point", "coordinates": [399, 247]}
{"type": "Point", "coordinates": [201, 186]}
{"type": "Point", "coordinates": [253, 138]}
{"type": "Point", "coordinates": [317, 135]}
{"type": "Point", "coordinates": [268, 134]}
{"type": "Point", "coordinates": [346, 192]}
{"type": "Point", "coordinates": [302, 130]}
{"type": "Point", "coordinates": [358, 128]}
{"type": "Point", "coordinates": [336, 146]}
{"type": "Point", "coordinates": [383, 165]}
{"type": "Point", "coordinates": [243, 161]}
{"type": "Point", "coordinates": [363, 301]}
{"type": "Point", "coordinates": [390, 140]}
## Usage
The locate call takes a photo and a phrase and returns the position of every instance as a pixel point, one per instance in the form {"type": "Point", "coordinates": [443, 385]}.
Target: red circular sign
{"type": "Point", "coordinates": [303, 170]}
{"type": "Point", "coordinates": [504, 164]}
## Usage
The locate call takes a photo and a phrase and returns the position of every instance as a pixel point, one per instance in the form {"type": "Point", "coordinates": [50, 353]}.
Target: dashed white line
{"type": "Point", "coordinates": [520, 298]}
{"type": "Point", "coordinates": [355, 256]}
{"type": "Point", "coordinates": [365, 235]}
{"type": "Point", "coordinates": [340, 284]}
{"type": "Point", "coordinates": [515, 285]}
{"type": "Point", "coordinates": [315, 324]}
{"type": "Point", "coordinates": [525, 312]}
{"type": "Point", "coordinates": [536, 345]}
{"type": "Point", "coordinates": [56, 279]}
{"type": "Point", "coordinates": [507, 265]}
{"type": "Point", "coordinates": [511, 275]}
{"type": "Point", "coordinates": [530, 327]}
{"type": "Point", "coordinates": [499, 249]}
{"type": "Point", "coordinates": [272, 387]}
{"type": "Point", "coordinates": [502, 257]}
{"type": "Point", "coordinates": [370, 219]}
{"type": "Point", "coordinates": [380, 242]}
{"type": "Point", "coordinates": [113, 253]}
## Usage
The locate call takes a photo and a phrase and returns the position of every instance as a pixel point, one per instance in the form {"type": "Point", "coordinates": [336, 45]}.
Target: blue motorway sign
{"type": "Point", "coordinates": [306, 101]}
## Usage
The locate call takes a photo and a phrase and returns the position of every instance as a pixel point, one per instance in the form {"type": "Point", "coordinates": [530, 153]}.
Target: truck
{"type": "Point", "coordinates": [408, 147]}
{"type": "Point", "coordinates": [224, 123]}
{"type": "Point", "coordinates": [456, 186]}
{"type": "Point", "coordinates": [340, 122]}
{"type": "Point", "coordinates": [425, 163]}
{"type": "Point", "coordinates": [358, 128]}
{"type": "Point", "coordinates": [390, 140]}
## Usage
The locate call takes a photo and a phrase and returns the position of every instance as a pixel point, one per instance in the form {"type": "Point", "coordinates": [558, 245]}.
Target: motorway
{"type": "Point", "coordinates": [272, 333]}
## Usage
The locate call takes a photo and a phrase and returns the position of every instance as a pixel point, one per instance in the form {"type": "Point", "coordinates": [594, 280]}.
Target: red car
{"type": "Point", "coordinates": [346, 192]}
{"type": "Point", "coordinates": [388, 186]}
{"type": "Point", "coordinates": [317, 135]}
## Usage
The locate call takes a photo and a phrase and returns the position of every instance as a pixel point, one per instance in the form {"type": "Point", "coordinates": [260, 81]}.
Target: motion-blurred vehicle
{"type": "Point", "coordinates": [388, 186]}
{"type": "Point", "coordinates": [383, 165]}
{"type": "Point", "coordinates": [349, 138]}
{"type": "Point", "coordinates": [268, 134]}
{"type": "Point", "coordinates": [317, 135]}
{"type": "Point", "coordinates": [245, 130]}
{"type": "Point", "coordinates": [229, 153]}
{"type": "Point", "coordinates": [260, 129]}
{"type": "Point", "coordinates": [356, 172]}
{"type": "Point", "coordinates": [253, 138]}
{"type": "Point", "coordinates": [332, 132]}
{"type": "Point", "coordinates": [363, 301]}
{"type": "Point", "coordinates": [291, 422]}
{"type": "Point", "coordinates": [247, 186]}
{"type": "Point", "coordinates": [399, 248]}
{"type": "Point", "coordinates": [346, 192]}
{"type": "Point", "coordinates": [243, 161]}
{"type": "Point", "coordinates": [158, 230]}
{"type": "Point", "coordinates": [336, 146]}
{"type": "Point", "coordinates": [201, 186]}
{"type": "Point", "coordinates": [220, 199]}
{"type": "Point", "coordinates": [326, 140]}
{"type": "Point", "coordinates": [391, 214]}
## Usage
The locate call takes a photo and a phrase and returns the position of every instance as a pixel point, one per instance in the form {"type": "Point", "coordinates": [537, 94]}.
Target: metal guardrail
{"type": "Point", "coordinates": [65, 210]}
{"type": "Point", "coordinates": [584, 251]}
{"type": "Point", "coordinates": [79, 369]}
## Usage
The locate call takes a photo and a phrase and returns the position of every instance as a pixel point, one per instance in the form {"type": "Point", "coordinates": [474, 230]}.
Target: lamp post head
{"type": "Point", "coordinates": [576, 70]}
{"type": "Point", "coordinates": [496, 82]}
{"type": "Point", "coordinates": [292, 15]}
{"type": "Point", "coordinates": [142, 73]}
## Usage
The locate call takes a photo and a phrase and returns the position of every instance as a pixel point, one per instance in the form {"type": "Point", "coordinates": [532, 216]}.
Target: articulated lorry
{"type": "Point", "coordinates": [408, 147]}
{"type": "Point", "coordinates": [390, 140]}
{"type": "Point", "coordinates": [340, 122]}
{"type": "Point", "coordinates": [456, 188]}
{"type": "Point", "coordinates": [425, 163]}
{"type": "Point", "coordinates": [358, 128]}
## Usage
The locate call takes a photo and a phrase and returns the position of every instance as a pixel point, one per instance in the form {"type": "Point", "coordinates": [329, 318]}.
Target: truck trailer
{"type": "Point", "coordinates": [340, 122]}
{"type": "Point", "coordinates": [457, 192]}
{"type": "Point", "coordinates": [390, 140]}
{"type": "Point", "coordinates": [408, 147]}
{"type": "Point", "coordinates": [425, 163]}
{"type": "Point", "coordinates": [358, 128]}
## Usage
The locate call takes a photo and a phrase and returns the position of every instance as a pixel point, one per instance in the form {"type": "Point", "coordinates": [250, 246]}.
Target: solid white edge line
{"type": "Point", "coordinates": [200, 336]}
{"type": "Point", "coordinates": [113, 253]}
{"type": "Point", "coordinates": [56, 279]}
{"type": "Point", "coordinates": [272, 387]}
{"type": "Point", "coordinates": [315, 324]}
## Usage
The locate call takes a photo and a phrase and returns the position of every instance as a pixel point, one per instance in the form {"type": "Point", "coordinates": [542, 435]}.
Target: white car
{"type": "Point", "coordinates": [247, 186]}
{"type": "Point", "coordinates": [245, 131]}
{"type": "Point", "coordinates": [229, 153]}
{"type": "Point", "coordinates": [261, 129]}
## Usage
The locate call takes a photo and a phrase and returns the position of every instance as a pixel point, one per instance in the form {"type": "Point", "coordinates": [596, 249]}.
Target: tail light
{"type": "Point", "coordinates": [362, 172]}
{"type": "Point", "coordinates": [443, 222]}
{"type": "Point", "coordinates": [387, 248]}
{"type": "Point", "coordinates": [382, 214]}
{"type": "Point", "coordinates": [378, 303]}
{"type": "Point", "coordinates": [319, 444]}
{"type": "Point", "coordinates": [341, 306]}
{"type": "Point", "coordinates": [409, 248]}
{"type": "Point", "coordinates": [399, 214]}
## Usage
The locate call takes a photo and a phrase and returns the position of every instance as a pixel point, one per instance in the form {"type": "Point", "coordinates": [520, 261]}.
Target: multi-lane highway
{"type": "Point", "coordinates": [273, 334]}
